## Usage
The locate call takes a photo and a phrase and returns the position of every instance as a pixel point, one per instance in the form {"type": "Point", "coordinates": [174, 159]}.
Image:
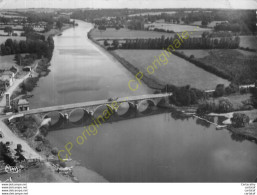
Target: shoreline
{"type": "Point", "coordinates": [149, 82]}
{"type": "Point", "coordinates": [84, 174]}
{"type": "Point", "coordinates": [155, 84]}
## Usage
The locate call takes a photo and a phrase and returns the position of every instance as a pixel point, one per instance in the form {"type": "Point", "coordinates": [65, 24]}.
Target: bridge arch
{"type": "Point", "coordinates": [56, 117]}
{"type": "Point", "coordinates": [78, 115]}
{"type": "Point", "coordinates": [145, 105]}
{"type": "Point", "coordinates": [103, 112]}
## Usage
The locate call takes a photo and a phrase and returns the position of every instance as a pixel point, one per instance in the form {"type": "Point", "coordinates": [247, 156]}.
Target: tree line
{"type": "Point", "coordinates": [36, 46]}
{"type": "Point", "coordinates": [190, 43]}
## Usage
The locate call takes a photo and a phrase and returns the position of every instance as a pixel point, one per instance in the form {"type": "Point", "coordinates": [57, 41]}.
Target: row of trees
{"type": "Point", "coordinates": [185, 96]}
{"type": "Point", "coordinates": [39, 47]}
{"type": "Point", "coordinates": [223, 105]}
{"type": "Point", "coordinates": [190, 43]}
{"type": "Point", "coordinates": [227, 27]}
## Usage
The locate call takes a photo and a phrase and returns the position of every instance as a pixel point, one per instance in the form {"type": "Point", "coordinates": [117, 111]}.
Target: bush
{"type": "Point", "coordinates": [240, 120]}
{"type": "Point", "coordinates": [219, 91]}
{"type": "Point", "coordinates": [62, 164]}
{"type": "Point", "coordinates": [39, 137]}
{"type": "Point", "coordinates": [54, 151]}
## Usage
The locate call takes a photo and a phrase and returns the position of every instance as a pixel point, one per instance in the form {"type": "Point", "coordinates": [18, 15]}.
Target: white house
{"type": "Point", "coordinates": [8, 77]}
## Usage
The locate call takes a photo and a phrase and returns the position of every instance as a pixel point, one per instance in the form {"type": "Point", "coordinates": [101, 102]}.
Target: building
{"type": "Point", "coordinates": [23, 105]}
{"type": "Point", "coordinates": [8, 78]}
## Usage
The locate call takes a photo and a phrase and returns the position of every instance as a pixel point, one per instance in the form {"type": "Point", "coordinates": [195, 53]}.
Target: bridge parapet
{"type": "Point", "coordinates": [91, 107]}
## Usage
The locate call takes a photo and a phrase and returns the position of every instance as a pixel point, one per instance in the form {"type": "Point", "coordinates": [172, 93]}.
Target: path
{"type": "Point", "coordinates": [28, 153]}
{"type": "Point", "coordinates": [15, 85]}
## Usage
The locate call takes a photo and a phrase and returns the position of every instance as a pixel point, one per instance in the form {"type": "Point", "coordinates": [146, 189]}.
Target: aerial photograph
{"type": "Point", "coordinates": [128, 91]}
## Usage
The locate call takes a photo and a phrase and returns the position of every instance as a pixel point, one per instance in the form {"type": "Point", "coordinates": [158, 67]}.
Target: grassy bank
{"type": "Point", "coordinates": [249, 132]}
{"type": "Point", "coordinates": [150, 82]}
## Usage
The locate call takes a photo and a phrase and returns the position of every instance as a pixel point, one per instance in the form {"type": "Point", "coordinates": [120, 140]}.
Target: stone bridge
{"type": "Point", "coordinates": [80, 111]}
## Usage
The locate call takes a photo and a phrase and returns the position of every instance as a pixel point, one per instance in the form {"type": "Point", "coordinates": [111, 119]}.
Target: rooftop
{"type": "Point", "coordinates": [23, 102]}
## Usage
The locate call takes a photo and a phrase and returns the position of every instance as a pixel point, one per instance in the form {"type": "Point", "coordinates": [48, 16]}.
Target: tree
{"type": "Point", "coordinates": [8, 30]}
{"type": "Point", "coordinates": [59, 24]}
{"type": "Point", "coordinates": [115, 44]}
{"type": "Point", "coordinates": [106, 43]}
{"type": "Point", "coordinates": [240, 120]}
{"type": "Point", "coordinates": [204, 22]}
{"type": "Point", "coordinates": [225, 105]}
{"type": "Point", "coordinates": [219, 91]}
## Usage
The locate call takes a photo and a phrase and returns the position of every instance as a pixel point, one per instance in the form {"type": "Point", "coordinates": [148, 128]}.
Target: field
{"type": "Point", "coordinates": [248, 41]}
{"type": "Point", "coordinates": [176, 27]}
{"type": "Point", "coordinates": [178, 71]}
{"type": "Point", "coordinates": [4, 38]}
{"type": "Point", "coordinates": [112, 33]}
{"type": "Point", "coordinates": [152, 13]}
{"type": "Point", "coordinates": [197, 53]}
{"type": "Point", "coordinates": [211, 24]}
{"type": "Point", "coordinates": [241, 65]}
{"type": "Point", "coordinates": [15, 31]}
{"type": "Point", "coordinates": [6, 62]}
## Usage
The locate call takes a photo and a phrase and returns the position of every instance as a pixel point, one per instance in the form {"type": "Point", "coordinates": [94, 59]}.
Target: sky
{"type": "Point", "coordinates": [234, 4]}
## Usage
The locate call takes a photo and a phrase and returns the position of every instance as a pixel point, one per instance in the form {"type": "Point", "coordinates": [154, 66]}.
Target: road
{"type": "Point", "coordinates": [94, 103]}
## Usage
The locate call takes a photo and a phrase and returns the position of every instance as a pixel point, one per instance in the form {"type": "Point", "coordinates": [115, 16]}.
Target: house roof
{"type": "Point", "coordinates": [23, 102]}
{"type": "Point", "coordinates": [5, 77]}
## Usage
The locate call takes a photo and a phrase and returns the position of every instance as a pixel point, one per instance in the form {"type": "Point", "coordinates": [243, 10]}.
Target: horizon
{"type": "Point", "coordinates": [129, 4]}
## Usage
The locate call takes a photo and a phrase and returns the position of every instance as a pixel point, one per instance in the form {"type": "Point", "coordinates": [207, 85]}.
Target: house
{"type": "Point", "coordinates": [210, 92]}
{"type": "Point", "coordinates": [7, 77]}
{"type": "Point", "coordinates": [23, 105]}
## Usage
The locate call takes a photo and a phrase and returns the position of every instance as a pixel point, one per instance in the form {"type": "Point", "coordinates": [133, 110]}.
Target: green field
{"type": "Point", "coordinates": [123, 33]}
{"type": "Point", "coordinates": [178, 71]}
{"type": "Point", "coordinates": [240, 65]}
{"type": "Point", "coordinates": [176, 27]}
{"type": "Point", "coordinates": [197, 53]}
{"type": "Point", "coordinates": [248, 41]}
{"type": "Point", "coordinates": [6, 62]}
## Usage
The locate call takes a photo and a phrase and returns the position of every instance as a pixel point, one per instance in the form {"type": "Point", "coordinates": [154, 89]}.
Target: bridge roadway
{"type": "Point", "coordinates": [93, 103]}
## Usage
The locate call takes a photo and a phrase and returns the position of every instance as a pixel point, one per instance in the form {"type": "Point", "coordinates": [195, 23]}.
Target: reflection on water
{"type": "Point", "coordinates": [80, 71]}
{"type": "Point", "coordinates": [158, 148]}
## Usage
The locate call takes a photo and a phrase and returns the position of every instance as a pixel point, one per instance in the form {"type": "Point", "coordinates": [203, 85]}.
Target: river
{"type": "Point", "coordinates": [158, 148]}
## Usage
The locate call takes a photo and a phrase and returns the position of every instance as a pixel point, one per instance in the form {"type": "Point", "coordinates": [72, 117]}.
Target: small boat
{"type": "Point", "coordinates": [220, 127]}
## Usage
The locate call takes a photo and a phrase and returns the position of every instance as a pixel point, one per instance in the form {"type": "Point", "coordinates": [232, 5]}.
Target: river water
{"type": "Point", "coordinates": [158, 148]}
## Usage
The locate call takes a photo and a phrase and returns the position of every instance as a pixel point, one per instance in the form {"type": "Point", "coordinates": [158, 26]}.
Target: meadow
{"type": "Point", "coordinates": [240, 65]}
{"type": "Point", "coordinates": [151, 13]}
{"type": "Point", "coordinates": [176, 27]}
{"type": "Point", "coordinates": [248, 41]}
{"type": "Point", "coordinates": [6, 62]}
{"type": "Point", "coordinates": [112, 33]}
{"type": "Point", "coordinates": [178, 71]}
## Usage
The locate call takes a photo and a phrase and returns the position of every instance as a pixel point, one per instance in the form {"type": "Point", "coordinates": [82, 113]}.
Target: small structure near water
{"type": "Point", "coordinates": [23, 105]}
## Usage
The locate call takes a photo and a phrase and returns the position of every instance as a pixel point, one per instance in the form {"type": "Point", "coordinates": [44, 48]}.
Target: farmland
{"type": "Point", "coordinates": [210, 25]}
{"type": "Point", "coordinates": [6, 62]}
{"type": "Point", "coordinates": [152, 13]}
{"type": "Point", "coordinates": [176, 27]}
{"type": "Point", "coordinates": [112, 33]}
{"type": "Point", "coordinates": [178, 71]}
{"type": "Point", "coordinates": [248, 41]}
{"type": "Point", "coordinates": [240, 65]}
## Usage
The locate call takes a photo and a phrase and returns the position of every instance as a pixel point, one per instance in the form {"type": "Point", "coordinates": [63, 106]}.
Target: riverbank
{"type": "Point", "coordinates": [155, 83]}
{"type": "Point", "coordinates": [56, 32]}
{"type": "Point", "coordinates": [249, 131]}
{"type": "Point", "coordinates": [151, 83]}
